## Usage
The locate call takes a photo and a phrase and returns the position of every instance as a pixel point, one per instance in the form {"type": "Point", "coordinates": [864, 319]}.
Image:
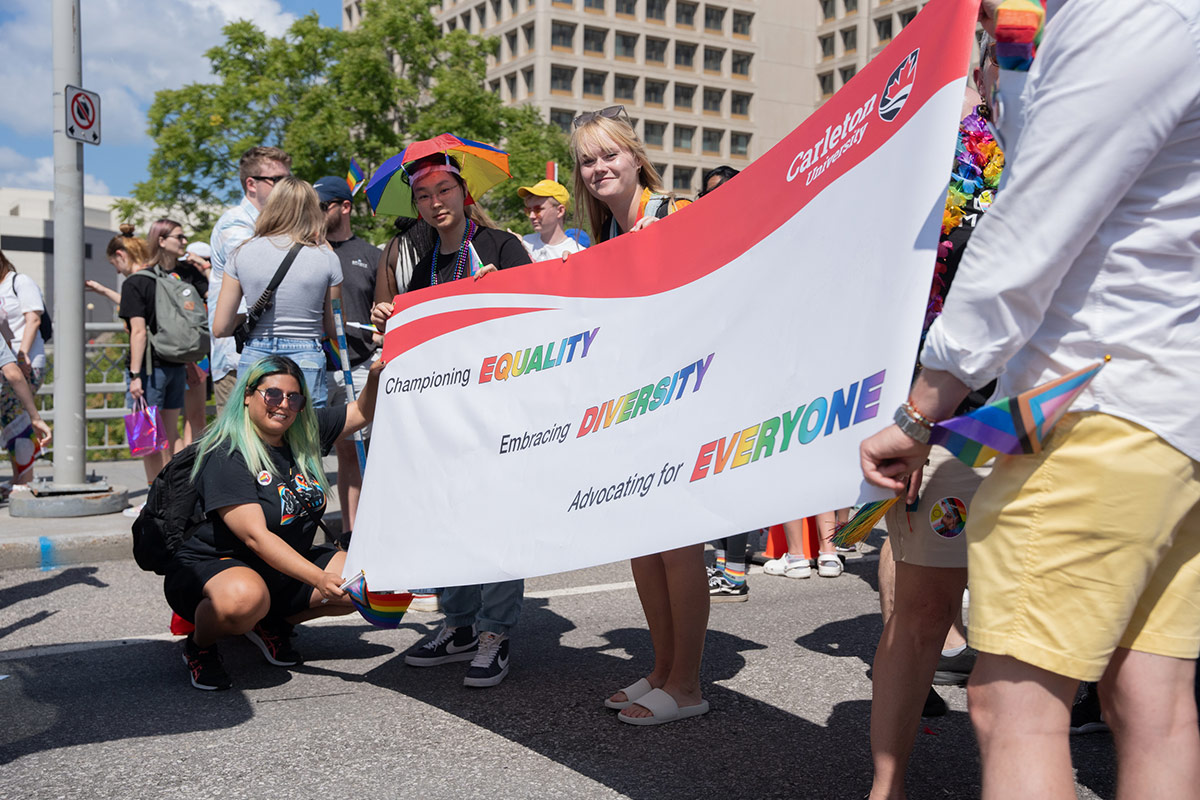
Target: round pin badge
{"type": "Point", "coordinates": [948, 517]}
{"type": "Point", "coordinates": [264, 478]}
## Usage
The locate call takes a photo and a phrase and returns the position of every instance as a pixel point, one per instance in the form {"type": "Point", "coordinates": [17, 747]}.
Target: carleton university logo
{"type": "Point", "coordinates": [898, 87]}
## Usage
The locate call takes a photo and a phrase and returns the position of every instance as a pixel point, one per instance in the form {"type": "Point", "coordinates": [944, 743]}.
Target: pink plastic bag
{"type": "Point", "coordinates": [144, 429]}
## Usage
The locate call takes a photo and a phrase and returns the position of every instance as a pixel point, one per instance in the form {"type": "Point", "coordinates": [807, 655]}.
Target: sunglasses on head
{"type": "Point", "coordinates": [612, 112]}
{"type": "Point", "coordinates": [274, 398]}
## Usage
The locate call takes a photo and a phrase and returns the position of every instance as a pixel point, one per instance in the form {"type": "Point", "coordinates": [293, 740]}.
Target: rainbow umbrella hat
{"type": "Point", "coordinates": [483, 167]}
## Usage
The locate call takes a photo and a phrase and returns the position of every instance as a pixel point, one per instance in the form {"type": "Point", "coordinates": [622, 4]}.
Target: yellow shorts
{"type": "Point", "coordinates": [932, 534]}
{"type": "Point", "coordinates": [1091, 545]}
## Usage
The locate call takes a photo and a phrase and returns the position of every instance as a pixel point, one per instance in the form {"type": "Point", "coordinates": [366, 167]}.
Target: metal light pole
{"type": "Point", "coordinates": [70, 426]}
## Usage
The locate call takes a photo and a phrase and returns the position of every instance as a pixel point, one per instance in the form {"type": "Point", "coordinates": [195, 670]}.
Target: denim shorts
{"type": "Point", "coordinates": [307, 354]}
{"type": "Point", "coordinates": [164, 387]}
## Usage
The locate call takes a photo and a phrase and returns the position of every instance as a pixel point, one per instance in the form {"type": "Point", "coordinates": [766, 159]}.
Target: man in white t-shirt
{"type": "Point", "coordinates": [546, 204]}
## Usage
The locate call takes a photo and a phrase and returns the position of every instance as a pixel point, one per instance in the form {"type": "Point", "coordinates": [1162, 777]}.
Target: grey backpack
{"type": "Point", "coordinates": [182, 318]}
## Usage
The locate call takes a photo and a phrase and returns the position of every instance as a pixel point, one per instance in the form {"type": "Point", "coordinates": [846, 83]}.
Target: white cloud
{"type": "Point", "coordinates": [131, 49]}
{"type": "Point", "coordinates": [19, 172]}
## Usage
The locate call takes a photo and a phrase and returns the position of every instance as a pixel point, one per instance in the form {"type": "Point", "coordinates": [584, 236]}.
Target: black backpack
{"type": "Point", "coordinates": [169, 516]}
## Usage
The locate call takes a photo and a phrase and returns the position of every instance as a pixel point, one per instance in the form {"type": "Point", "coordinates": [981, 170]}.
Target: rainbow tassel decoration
{"type": "Point", "coordinates": [381, 609]}
{"type": "Point", "coordinates": [1018, 32]}
{"type": "Point", "coordinates": [859, 527]}
{"type": "Point", "coordinates": [1014, 425]}
{"type": "Point", "coordinates": [354, 177]}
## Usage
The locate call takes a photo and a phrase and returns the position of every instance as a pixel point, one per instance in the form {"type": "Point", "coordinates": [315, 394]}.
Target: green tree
{"type": "Point", "coordinates": [327, 96]}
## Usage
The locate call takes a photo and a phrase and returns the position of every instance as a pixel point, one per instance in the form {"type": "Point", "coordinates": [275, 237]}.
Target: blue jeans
{"type": "Point", "coordinates": [307, 354]}
{"type": "Point", "coordinates": [493, 607]}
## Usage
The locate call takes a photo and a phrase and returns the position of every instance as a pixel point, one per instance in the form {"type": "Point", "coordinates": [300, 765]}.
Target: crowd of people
{"type": "Point", "coordinates": [1102, 526]}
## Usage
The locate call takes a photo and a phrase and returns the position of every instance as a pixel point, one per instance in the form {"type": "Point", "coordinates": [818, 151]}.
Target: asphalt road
{"type": "Point", "coordinates": [95, 702]}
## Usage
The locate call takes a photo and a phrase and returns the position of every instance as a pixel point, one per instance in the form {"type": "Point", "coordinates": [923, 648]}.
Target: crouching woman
{"type": "Point", "coordinates": [251, 566]}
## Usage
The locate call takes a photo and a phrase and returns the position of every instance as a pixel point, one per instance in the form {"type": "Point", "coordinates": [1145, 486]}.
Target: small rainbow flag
{"type": "Point", "coordinates": [1014, 425]}
{"type": "Point", "coordinates": [860, 526]}
{"type": "Point", "coordinates": [381, 609]}
{"type": "Point", "coordinates": [354, 177]}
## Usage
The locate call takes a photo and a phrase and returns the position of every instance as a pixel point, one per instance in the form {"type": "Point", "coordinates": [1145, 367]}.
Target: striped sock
{"type": "Point", "coordinates": [736, 573]}
{"type": "Point", "coordinates": [719, 559]}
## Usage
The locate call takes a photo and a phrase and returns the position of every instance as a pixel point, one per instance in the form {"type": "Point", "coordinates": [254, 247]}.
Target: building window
{"type": "Point", "coordinates": [528, 76]}
{"type": "Point", "coordinates": [562, 79]}
{"type": "Point", "coordinates": [593, 83]}
{"type": "Point", "coordinates": [684, 134]}
{"type": "Point", "coordinates": [494, 86]}
{"type": "Point", "coordinates": [883, 29]}
{"type": "Point", "coordinates": [529, 31]}
{"type": "Point", "coordinates": [512, 5]}
{"type": "Point", "coordinates": [655, 93]}
{"type": "Point", "coordinates": [849, 40]}
{"type": "Point", "coordinates": [625, 88]}
{"type": "Point", "coordinates": [713, 59]}
{"type": "Point", "coordinates": [627, 45]}
{"type": "Point", "coordinates": [656, 50]}
{"type": "Point", "coordinates": [850, 5]}
{"type": "Point", "coordinates": [653, 133]}
{"type": "Point", "coordinates": [739, 104]}
{"type": "Point", "coordinates": [685, 14]}
{"type": "Point", "coordinates": [741, 64]}
{"type": "Point", "coordinates": [684, 95]}
{"type": "Point", "coordinates": [826, 43]}
{"type": "Point", "coordinates": [593, 5]}
{"type": "Point", "coordinates": [682, 181]}
{"type": "Point", "coordinates": [562, 118]}
{"type": "Point", "coordinates": [511, 80]}
{"type": "Point", "coordinates": [906, 17]}
{"type": "Point", "coordinates": [685, 55]}
{"type": "Point", "coordinates": [627, 7]}
{"type": "Point", "coordinates": [847, 73]}
{"type": "Point", "coordinates": [826, 81]}
{"type": "Point", "coordinates": [711, 141]}
{"type": "Point", "coordinates": [564, 3]}
{"type": "Point", "coordinates": [712, 100]}
{"type": "Point", "coordinates": [656, 10]}
{"type": "Point", "coordinates": [714, 18]}
{"type": "Point", "coordinates": [511, 39]}
{"type": "Point", "coordinates": [593, 40]}
{"type": "Point", "coordinates": [827, 11]}
{"type": "Point", "coordinates": [562, 36]}
{"type": "Point", "coordinates": [739, 144]}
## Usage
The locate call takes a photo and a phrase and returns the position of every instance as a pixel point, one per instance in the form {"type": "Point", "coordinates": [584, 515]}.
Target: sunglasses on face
{"type": "Point", "coordinates": [268, 178]}
{"type": "Point", "coordinates": [612, 112]}
{"type": "Point", "coordinates": [274, 398]}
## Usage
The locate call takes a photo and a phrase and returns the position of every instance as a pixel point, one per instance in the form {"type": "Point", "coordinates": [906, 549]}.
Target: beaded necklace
{"type": "Point", "coordinates": [460, 261]}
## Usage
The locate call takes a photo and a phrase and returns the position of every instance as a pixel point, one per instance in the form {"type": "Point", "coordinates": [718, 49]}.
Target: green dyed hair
{"type": "Point", "coordinates": [234, 428]}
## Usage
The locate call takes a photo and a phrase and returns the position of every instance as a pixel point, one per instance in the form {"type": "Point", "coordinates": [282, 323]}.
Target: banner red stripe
{"type": "Point", "coordinates": [406, 337]}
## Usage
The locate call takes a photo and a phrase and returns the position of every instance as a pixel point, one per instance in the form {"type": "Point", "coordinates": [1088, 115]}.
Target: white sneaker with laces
{"type": "Point", "coordinates": [789, 566]}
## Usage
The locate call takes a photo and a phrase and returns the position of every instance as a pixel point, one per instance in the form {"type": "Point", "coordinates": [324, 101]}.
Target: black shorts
{"type": "Point", "coordinates": [188, 573]}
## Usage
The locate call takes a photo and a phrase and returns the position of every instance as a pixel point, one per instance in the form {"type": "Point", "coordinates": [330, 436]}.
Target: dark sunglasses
{"type": "Point", "coordinates": [268, 178]}
{"type": "Point", "coordinates": [274, 398]}
{"type": "Point", "coordinates": [612, 112]}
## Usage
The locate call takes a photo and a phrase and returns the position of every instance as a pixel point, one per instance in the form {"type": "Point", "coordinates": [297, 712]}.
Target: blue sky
{"type": "Point", "coordinates": [131, 49]}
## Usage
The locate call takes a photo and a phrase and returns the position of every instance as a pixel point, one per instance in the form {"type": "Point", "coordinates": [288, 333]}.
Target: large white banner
{"type": "Point", "coordinates": [711, 374]}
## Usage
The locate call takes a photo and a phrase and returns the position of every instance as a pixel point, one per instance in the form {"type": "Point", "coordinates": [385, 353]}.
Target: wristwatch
{"type": "Point", "coordinates": [135, 376]}
{"type": "Point", "coordinates": [912, 426]}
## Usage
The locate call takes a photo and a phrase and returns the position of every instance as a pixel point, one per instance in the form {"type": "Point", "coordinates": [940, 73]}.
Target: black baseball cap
{"type": "Point", "coordinates": [332, 187]}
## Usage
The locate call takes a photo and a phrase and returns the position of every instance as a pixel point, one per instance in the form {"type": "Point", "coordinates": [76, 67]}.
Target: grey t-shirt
{"type": "Point", "coordinates": [298, 311]}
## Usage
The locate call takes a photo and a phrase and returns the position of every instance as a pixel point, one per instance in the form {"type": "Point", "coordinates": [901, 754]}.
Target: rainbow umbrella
{"type": "Point", "coordinates": [483, 166]}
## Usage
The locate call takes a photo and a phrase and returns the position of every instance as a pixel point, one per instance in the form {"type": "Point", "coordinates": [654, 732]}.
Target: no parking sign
{"type": "Point", "coordinates": [83, 115]}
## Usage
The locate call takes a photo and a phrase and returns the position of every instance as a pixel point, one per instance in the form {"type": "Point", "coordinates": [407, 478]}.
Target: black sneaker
{"type": "Point", "coordinates": [1086, 716]}
{"type": "Point", "coordinates": [935, 706]}
{"type": "Point", "coordinates": [205, 667]}
{"type": "Point", "coordinates": [490, 665]}
{"type": "Point", "coordinates": [273, 639]}
{"type": "Point", "coordinates": [723, 590]}
{"type": "Point", "coordinates": [954, 670]}
{"type": "Point", "coordinates": [447, 645]}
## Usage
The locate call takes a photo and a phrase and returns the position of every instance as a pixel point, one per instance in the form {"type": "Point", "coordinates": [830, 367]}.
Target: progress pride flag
{"type": "Point", "coordinates": [710, 374]}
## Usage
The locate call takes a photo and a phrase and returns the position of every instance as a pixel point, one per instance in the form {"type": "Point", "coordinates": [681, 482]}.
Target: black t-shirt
{"type": "Point", "coordinates": [137, 300]}
{"type": "Point", "coordinates": [190, 273]}
{"type": "Point", "coordinates": [493, 246]}
{"type": "Point", "coordinates": [283, 492]}
{"type": "Point", "coordinates": [359, 260]}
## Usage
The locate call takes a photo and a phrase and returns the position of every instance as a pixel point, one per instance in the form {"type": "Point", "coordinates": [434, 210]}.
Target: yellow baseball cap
{"type": "Point", "coordinates": [546, 188]}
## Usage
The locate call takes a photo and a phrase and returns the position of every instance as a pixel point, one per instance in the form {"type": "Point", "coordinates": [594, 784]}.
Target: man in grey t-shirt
{"type": "Point", "coordinates": [359, 260]}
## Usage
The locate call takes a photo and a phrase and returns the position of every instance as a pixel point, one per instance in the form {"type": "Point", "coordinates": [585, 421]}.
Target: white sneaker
{"type": "Point", "coordinates": [829, 565]}
{"type": "Point", "coordinates": [789, 566]}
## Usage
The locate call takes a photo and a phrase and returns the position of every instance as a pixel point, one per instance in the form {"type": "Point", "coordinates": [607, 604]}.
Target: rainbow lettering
{"type": "Point", "coordinates": [649, 398]}
{"type": "Point", "coordinates": [803, 425]}
{"type": "Point", "coordinates": [514, 365]}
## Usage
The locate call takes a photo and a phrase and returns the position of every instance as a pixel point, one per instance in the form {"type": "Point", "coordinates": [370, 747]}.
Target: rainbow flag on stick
{"type": "Point", "coordinates": [354, 177]}
{"type": "Point", "coordinates": [381, 609]}
{"type": "Point", "coordinates": [1014, 425]}
{"type": "Point", "coordinates": [861, 524]}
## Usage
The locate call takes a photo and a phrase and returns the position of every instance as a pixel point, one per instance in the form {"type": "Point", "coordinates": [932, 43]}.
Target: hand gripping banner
{"type": "Point", "coordinates": [711, 374]}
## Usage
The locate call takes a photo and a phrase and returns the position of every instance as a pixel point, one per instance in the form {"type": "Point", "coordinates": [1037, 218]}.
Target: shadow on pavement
{"type": "Point", "coordinates": [30, 590]}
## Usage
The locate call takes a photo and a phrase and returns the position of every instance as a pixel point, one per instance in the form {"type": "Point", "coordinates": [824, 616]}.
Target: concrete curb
{"type": "Point", "coordinates": [64, 549]}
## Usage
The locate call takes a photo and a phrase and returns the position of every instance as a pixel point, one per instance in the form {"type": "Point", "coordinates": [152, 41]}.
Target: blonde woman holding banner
{"type": "Point", "coordinates": [622, 192]}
